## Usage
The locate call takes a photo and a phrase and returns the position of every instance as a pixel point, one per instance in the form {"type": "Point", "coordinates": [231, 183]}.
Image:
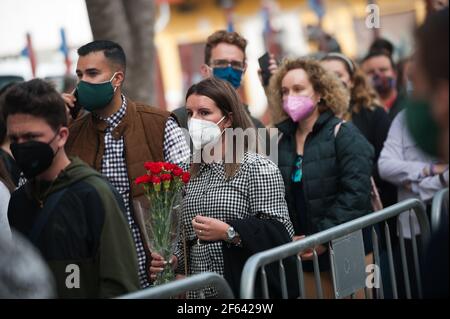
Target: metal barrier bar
{"type": "Point", "coordinates": [265, 286]}
{"type": "Point", "coordinates": [284, 289]}
{"type": "Point", "coordinates": [272, 255]}
{"type": "Point", "coordinates": [391, 260]}
{"type": "Point", "coordinates": [317, 275]}
{"type": "Point", "coordinates": [377, 261]}
{"type": "Point", "coordinates": [301, 278]}
{"type": "Point", "coordinates": [415, 255]}
{"type": "Point", "coordinates": [178, 287]}
{"type": "Point", "coordinates": [404, 260]}
{"type": "Point", "coordinates": [437, 209]}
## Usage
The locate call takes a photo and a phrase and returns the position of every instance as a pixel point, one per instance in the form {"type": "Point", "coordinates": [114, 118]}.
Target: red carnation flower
{"type": "Point", "coordinates": [186, 177]}
{"type": "Point", "coordinates": [168, 167]}
{"type": "Point", "coordinates": [177, 172]}
{"type": "Point", "coordinates": [153, 167]}
{"type": "Point", "coordinates": [156, 180]}
{"type": "Point", "coordinates": [166, 177]}
{"type": "Point", "coordinates": [143, 179]}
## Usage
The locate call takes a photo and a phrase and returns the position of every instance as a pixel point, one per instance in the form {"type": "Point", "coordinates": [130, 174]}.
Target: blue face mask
{"type": "Point", "coordinates": [229, 74]}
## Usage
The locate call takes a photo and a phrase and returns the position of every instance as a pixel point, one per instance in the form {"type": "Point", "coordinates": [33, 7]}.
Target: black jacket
{"type": "Point", "coordinates": [86, 226]}
{"type": "Point", "coordinates": [336, 172]}
{"type": "Point", "coordinates": [258, 235]}
{"type": "Point", "coordinates": [374, 125]}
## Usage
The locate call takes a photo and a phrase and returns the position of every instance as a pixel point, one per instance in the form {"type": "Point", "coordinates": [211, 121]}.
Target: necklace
{"type": "Point", "coordinates": [36, 191]}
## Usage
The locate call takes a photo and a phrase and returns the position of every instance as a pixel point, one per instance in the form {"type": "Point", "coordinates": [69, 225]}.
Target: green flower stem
{"type": "Point", "coordinates": [161, 224]}
{"type": "Point", "coordinates": [166, 276]}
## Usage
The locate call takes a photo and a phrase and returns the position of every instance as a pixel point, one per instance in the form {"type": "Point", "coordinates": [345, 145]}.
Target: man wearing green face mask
{"type": "Point", "coordinates": [416, 175]}
{"type": "Point", "coordinates": [118, 135]}
{"type": "Point", "coordinates": [415, 155]}
{"type": "Point", "coordinates": [430, 80]}
{"type": "Point", "coordinates": [431, 83]}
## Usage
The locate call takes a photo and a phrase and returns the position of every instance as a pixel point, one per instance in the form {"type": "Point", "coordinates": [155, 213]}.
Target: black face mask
{"type": "Point", "coordinates": [33, 158]}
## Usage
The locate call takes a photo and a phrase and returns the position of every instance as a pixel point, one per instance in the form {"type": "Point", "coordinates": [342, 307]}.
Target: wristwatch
{"type": "Point", "coordinates": [231, 234]}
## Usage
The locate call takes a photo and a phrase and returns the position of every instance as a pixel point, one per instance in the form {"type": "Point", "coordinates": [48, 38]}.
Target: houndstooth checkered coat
{"type": "Point", "coordinates": [257, 189]}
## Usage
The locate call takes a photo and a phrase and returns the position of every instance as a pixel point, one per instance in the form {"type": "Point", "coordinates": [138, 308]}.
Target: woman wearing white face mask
{"type": "Point", "coordinates": [326, 164]}
{"type": "Point", "coordinates": [204, 132]}
{"type": "Point", "coordinates": [230, 209]}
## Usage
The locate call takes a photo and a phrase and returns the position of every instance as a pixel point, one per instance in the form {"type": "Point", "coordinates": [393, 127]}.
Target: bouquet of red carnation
{"type": "Point", "coordinates": [162, 187]}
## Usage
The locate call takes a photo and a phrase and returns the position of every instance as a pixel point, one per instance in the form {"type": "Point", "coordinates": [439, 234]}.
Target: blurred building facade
{"type": "Point", "coordinates": [180, 43]}
{"type": "Point", "coordinates": [284, 27]}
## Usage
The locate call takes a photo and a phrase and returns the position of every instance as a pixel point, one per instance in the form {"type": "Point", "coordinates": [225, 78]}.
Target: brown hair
{"type": "Point", "coordinates": [432, 41]}
{"type": "Point", "coordinates": [38, 98]}
{"type": "Point", "coordinates": [223, 36]}
{"type": "Point", "coordinates": [227, 100]}
{"type": "Point", "coordinates": [334, 97]}
{"type": "Point", "coordinates": [362, 94]}
{"type": "Point", "coordinates": [377, 54]}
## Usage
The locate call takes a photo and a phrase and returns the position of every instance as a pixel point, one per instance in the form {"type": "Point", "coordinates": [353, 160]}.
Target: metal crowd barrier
{"type": "Point", "coordinates": [439, 209]}
{"type": "Point", "coordinates": [179, 287]}
{"type": "Point", "coordinates": [346, 252]}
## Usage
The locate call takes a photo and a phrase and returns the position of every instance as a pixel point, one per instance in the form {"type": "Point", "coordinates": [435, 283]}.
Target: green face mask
{"type": "Point", "coordinates": [422, 126]}
{"type": "Point", "coordinates": [95, 96]}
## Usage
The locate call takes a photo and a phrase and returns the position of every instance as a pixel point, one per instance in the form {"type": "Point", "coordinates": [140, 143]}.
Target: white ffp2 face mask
{"type": "Point", "coordinates": [204, 132]}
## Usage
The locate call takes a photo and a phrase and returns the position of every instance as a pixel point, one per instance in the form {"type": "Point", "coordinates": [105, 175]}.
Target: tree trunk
{"type": "Point", "coordinates": [129, 23]}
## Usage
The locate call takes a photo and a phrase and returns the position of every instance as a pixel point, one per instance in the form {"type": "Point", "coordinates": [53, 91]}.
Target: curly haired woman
{"type": "Point", "coordinates": [326, 164]}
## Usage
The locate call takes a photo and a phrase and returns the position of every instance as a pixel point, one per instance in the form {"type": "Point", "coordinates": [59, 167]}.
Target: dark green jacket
{"type": "Point", "coordinates": [336, 172]}
{"type": "Point", "coordinates": [86, 228]}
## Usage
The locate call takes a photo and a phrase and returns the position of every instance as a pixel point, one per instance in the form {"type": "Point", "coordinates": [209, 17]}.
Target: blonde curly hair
{"type": "Point", "coordinates": [333, 95]}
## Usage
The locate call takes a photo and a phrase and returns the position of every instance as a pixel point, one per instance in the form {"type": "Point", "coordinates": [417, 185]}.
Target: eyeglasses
{"type": "Point", "coordinates": [238, 65]}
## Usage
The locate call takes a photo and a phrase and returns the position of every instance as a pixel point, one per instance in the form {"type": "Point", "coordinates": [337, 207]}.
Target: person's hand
{"type": "Point", "coordinates": [433, 170]}
{"type": "Point", "coordinates": [295, 238]}
{"type": "Point", "coordinates": [309, 253]}
{"type": "Point", "coordinates": [209, 229]}
{"type": "Point", "coordinates": [158, 263]}
{"type": "Point", "coordinates": [440, 168]}
{"type": "Point", "coordinates": [69, 99]}
{"type": "Point", "coordinates": [273, 67]}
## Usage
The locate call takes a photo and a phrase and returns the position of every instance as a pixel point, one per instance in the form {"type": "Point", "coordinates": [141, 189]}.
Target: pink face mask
{"type": "Point", "coordinates": [298, 107]}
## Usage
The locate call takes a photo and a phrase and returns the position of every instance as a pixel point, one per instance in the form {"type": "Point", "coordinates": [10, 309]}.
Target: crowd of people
{"type": "Point", "coordinates": [347, 131]}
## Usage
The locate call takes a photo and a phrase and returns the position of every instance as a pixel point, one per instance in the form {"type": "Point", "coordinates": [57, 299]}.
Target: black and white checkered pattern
{"type": "Point", "coordinates": [256, 190]}
{"type": "Point", "coordinates": [175, 148]}
{"type": "Point", "coordinates": [114, 167]}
